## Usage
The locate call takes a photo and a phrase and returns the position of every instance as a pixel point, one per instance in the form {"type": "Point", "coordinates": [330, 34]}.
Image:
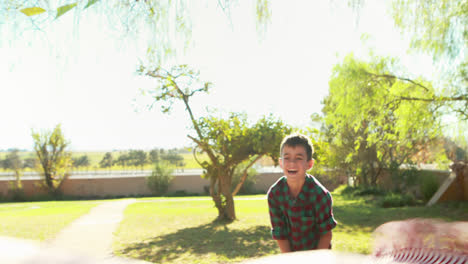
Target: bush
{"type": "Point", "coordinates": [360, 191]}
{"type": "Point", "coordinates": [397, 200]}
{"type": "Point", "coordinates": [429, 185]}
{"type": "Point", "coordinates": [16, 192]}
{"type": "Point", "coordinates": [160, 179]}
{"type": "Point", "coordinates": [248, 187]}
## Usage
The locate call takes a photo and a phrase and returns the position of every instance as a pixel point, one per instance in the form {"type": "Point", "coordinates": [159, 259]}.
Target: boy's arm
{"type": "Point", "coordinates": [325, 240]}
{"type": "Point", "coordinates": [284, 246]}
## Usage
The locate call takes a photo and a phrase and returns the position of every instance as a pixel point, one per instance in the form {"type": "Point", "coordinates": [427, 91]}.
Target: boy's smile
{"type": "Point", "coordinates": [294, 162]}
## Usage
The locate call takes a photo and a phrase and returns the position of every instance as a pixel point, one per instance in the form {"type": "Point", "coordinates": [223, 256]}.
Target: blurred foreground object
{"type": "Point", "coordinates": [415, 241]}
{"type": "Point", "coordinates": [22, 251]}
{"type": "Point", "coordinates": [421, 241]}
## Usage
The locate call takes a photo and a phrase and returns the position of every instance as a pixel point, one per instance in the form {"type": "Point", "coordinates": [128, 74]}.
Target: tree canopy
{"type": "Point", "coordinates": [228, 142]}
{"type": "Point", "coordinates": [54, 159]}
{"type": "Point", "coordinates": [371, 124]}
{"type": "Point", "coordinates": [166, 24]}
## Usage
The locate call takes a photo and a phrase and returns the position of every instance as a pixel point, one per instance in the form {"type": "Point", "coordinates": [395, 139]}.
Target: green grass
{"type": "Point", "coordinates": [182, 230]}
{"type": "Point", "coordinates": [40, 220]}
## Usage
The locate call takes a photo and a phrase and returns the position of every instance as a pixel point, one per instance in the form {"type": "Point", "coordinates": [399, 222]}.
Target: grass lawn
{"type": "Point", "coordinates": [182, 230]}
{"type": "Point", "coordinates": [40, 220]}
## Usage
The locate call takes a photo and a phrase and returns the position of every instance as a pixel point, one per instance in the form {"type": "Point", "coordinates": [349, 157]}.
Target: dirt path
{"type": "Point", "coordinates": [86, 240]}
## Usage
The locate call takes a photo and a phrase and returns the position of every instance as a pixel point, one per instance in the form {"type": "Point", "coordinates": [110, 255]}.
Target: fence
{"type": "Point", "coordinates": [126, 183]}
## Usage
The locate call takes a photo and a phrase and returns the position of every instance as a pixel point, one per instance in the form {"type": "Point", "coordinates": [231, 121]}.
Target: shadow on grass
{"type": "Point", "coordinates": [214, 237]}
{"type": "Point", "coordinates": [368, 216]}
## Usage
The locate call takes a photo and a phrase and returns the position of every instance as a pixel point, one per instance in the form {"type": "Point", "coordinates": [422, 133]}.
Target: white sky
{"type": "Point", "coordinates": [84, 76]}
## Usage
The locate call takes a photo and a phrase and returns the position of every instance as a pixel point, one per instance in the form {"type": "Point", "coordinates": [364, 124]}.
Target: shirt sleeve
{"type": "Point", "coordinates": [279, 230]}
{"type": "Point", "coordinates": [324, 213]}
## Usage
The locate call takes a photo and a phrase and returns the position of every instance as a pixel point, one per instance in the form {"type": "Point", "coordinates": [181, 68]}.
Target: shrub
{"type": "Point", "coordinates": [16, 192]}
{"type": "Point", "coordinates": [429, 185]}
{"type": "Point", "coordinates": [360, 191]}
{"type": "Point", "coordinates": [248, 187]}
{"type": "Point", "coordinates": [160, 179]}
{"type": "Point", "coordinates": [396, 200]}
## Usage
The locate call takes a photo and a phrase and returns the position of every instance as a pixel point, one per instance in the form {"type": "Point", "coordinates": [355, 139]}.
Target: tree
{"type": "Point", "coordinates": [13, 162]}
{"type": "Point", "coordinates": [439, 28]}
{"type": "Point", "coordinates": [227, 142]}
{"type": "Point", "coordinates": [154, 156]}
{"type": "Point", "coordinates": [54, 159]}
{"type": "Point", "coordinates": [137, 158]}
{"type": "Point", "coordinates": [82, 161]}
{"type": "Point", "coordinates": [123, 160]}
{"type": "Point", "coordinates": [107, 161]}
{"type": "Point", "coordinates": [370, 124]}
{"type": "Point", "coordinates": [30, 163]}
{"type": "Point", "coordinates": [149, 17]}
{"type": "Point", "coordinates": [174, 158]}
{"type": "Point", "coordinates": [160, 178]}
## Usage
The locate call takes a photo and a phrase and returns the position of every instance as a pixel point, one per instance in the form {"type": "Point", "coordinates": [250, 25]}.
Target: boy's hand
{"type": "Point", "coordinates": [325, 241]}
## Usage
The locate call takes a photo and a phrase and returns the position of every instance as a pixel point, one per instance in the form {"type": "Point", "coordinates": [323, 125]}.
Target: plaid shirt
{"type": "Point", "coordinates": [302, 220]}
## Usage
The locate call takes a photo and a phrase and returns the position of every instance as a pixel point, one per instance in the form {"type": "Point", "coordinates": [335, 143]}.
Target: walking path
{"type": "Point", "coordinates": [86, 240]}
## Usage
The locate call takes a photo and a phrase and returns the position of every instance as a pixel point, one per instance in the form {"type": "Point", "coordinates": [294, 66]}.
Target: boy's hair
{"type": "Point", "coordinates": [295, 140]}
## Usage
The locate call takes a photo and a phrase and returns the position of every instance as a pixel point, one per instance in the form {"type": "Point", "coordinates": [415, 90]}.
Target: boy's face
{"type": "Point", "coordinates": [294, 162]}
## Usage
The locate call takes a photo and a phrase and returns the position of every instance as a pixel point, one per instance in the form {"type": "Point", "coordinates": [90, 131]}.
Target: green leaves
{"type": "Point", "coordinates": [369, 123]}
{"type": "Point", "coordinates": [90, 3]}
{"type": "Point", "coordinates": [64, 9]}
{"type": "Point", "coordinates": [61, 10]}
{"type": "Point", "coordinates": [32, 11]}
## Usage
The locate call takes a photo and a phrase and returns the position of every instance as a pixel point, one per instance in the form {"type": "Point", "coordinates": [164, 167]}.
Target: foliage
{"type": "Point", "coordinates": [248, 187]}
{"type": "Point", "coordinates": [227, 142]}
{"type": "Point", "coordinates": [350, 191]}
{"type": "Point", "coordinates": [107, 161]}
{"type": "Point", "coordinates": [403, 179]}
{"type": "Point", "coordinates": [167, 23]}
{"type": "Point", "coordinates": [55, 161]}
{"type": "Point", "coordinates": [137, 158]}
{"type": "Point", "coordinates": [174, 158]}
{"type": "Point", "coordinates": [429, 184]}
{"type": "Point", "coordinates": [233, 142]}
{"type": "Point", "coordinates": [368, 125]}
{"type": "Point", "coordinates": [154, 155]}
{"type": "Point", "coordinates": [439, 28]}
{"type": "Point", "coordinates": [396, 200]}
{"type": "Point", "coordinates": [12, 160]}
{"type": "Point", "coordinates": [160, 179]}
{"type": "Point", "coordinates": [16, 192]}
{"type": "Point", "coordinates": [82, 161]}
{"type": "Point", "coordinates": [30, 163]}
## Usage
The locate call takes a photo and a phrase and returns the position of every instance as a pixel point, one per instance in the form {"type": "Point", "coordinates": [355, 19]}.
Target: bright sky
{"type": "Point", "coordinates": [83, 76]}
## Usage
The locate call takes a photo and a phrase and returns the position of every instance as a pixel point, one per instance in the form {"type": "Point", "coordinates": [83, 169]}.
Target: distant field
{"type": "Point", "coordinates": [96, 156]}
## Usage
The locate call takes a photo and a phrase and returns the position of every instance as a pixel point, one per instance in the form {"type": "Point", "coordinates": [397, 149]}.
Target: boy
{"type": "Point", "coordinates": [300, 207]}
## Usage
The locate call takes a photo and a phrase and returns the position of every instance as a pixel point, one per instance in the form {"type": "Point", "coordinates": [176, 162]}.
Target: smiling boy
{"type": "Point", "coordinates": [300, 207]}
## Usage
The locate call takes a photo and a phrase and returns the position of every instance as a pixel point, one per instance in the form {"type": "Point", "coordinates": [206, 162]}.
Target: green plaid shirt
{"type": "Point", "coordinates": [302, 220]}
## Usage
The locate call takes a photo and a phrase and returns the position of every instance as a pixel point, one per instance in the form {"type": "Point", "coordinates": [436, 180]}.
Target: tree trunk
{"type": "Point", "coordinates": [229, 210]}
{"type": "Point", "coordinates": [215, 195]}
{"type": "Point", "coordinates": [223, 198]}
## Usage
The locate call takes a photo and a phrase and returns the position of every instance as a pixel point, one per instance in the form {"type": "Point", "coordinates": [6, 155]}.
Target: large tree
{"type": "Point", "coordinates": [54, 159]}
{"type": "Point", "coordinates": [227, 142]}
{"type": "Point", "coordinates": [439, 28]}
{"type": "Point", "coordinates": [166, 24]}
{"type": "Point", "coordinates": [371, 124]}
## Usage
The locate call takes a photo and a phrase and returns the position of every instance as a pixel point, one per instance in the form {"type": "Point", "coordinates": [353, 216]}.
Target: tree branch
{"type": "Point", "coordinates": [244, 176]}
